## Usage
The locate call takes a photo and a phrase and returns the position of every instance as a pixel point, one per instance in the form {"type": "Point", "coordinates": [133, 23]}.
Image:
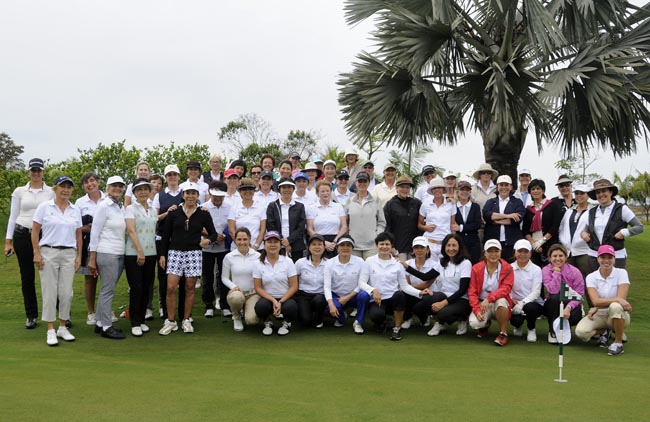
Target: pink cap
{"type": "Point", "coordinates": [230, 172]}
{"type": "Point", "coordinates": [606, 249]}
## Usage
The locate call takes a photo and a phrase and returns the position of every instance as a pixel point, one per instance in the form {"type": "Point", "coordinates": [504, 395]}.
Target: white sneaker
{"type": "Point", "coordinates": [91, 319]}
{"type": "Point", "coordinates": [358, 328]}
{"type": "Point", "coordinates": [114, 318]}
{"type": "Point", "coordinates": [284, 330]}
{"type": "Point", "coordinates": [136, 331]}
{"type": "Point", "coordinates": [144, 328]}
{"type": "Point", "coordinates": [436, 330]}
{"type": "Point", "coordinates": [518, 331]}
{"type": "Point", "coordinates": [353, 313]}
{"type": "Point", "coordinates": [338, 324]}
{"type": "Point", "coordinates": [217, 305]}
{"type": "Point", "coordinates": [462, 328]}
{"type": "Point", "coordinates": [407, 324]}
{"type": "Point", "coordinates": [168, 327]}
{"type": "Point", "coordinates": [551, 338]}
{"type": "Point", "coordinates": [160, 312]}
{"type": "Point", "coordinates": [51, 339]}
{"type": "Point", "coordinates": [187, 326]}
{"type": "Point", "coordinates": [237, 324]}
{"type": "Point", "coordinates": [532, 336]}
{"type": "Point", "coordinates": [148, 315]}
{"type": "Point", "coordinates": [63, 333]}
{"type": "Point", "coordinates": [226, 313]}
{"type": "Point", "coordinates": [209, 313]}
{"type": "Point", "coordinates": [268, 328]}
{"type": "Point", "coordinates": [197, 285]}
{"type": "Point", "coordinates": [319, 326]}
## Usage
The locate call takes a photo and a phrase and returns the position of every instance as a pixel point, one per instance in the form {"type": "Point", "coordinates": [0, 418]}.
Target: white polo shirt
{"type": "Point", "coordinates": [250, 218]}
{"type": "Point", "coordinates": [428, 265]}
{"type": "Point", "coordinates": [440, 216]}
{"type": "Point", "coordinates": [448, 281]}
{"type": "Point", "coordinates": [490, 283]}
{"type": "Point", "coordinates": [388, 276]}
{"type": "Point", "coordinates": [58, 228]}
{"type": "Point", "coordinates": [308, 199]}
{"type": "Point", "coordinates": [220, 220]}
{"type": "Point", "coordinates": [267, 198]}
{"type": "Point", "coordinates": [343, 279]}
{"type": "Point", "coordinates": [275, 278]}
{"type": "Point", "coordinates": [108, 233]}
{"type": "Point", "coordinates": [87, 206]}
{"type": "Point", "coordinates": [310, 278]}
{"type": "Point", "coordinates": [237, 269]}
{"type": "Point", "coordinates": [326, 218]}
{"type": "Point", "coordinates": [527, 284]}
{"type": "Point", "coordinates": [607, 287]}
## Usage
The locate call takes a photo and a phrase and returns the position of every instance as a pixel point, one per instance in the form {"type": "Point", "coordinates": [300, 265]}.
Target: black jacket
{"type": "Point", "coordinates": [402, 221]}
{"type": "Point", "coordinates": [297, 223]}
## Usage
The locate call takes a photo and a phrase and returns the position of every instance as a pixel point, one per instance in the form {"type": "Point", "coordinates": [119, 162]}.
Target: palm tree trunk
{"type": "Point", "coordinates": [503, 151]}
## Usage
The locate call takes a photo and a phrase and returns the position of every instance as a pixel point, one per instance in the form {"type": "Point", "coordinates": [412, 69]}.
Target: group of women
{"type": "Point", "coordinates": [288, 248]}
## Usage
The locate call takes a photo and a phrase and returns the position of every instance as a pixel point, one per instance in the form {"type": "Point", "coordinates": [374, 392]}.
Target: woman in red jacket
{"type": "Point", "coordinates": [489, 292]}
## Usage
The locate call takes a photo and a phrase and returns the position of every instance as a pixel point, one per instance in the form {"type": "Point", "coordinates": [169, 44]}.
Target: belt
{"type": "Point", "coordinates": [437, 242]}
{"type": "Point", "coordinates": [57, 247]}
{"type": "Point", "coordinates": [22, 229]}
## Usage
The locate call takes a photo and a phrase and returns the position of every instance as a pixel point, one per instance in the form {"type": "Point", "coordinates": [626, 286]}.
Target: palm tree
{"type": "Point", "coordinates": [575, 72]}
{"type": "Point", "coordinates": [409, 163]}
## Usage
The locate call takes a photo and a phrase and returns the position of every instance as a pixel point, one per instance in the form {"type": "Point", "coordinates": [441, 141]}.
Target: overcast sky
{"type": "Point", "coordinates": [76, 73]}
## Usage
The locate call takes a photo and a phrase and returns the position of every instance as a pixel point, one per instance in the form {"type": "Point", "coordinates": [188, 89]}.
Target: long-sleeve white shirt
{"type": "Point", "coordinates": [108, 233]}
{"type": "Point", "coordinates": [24, 201]}
{"type": "Point", "coordinates": [388, 276]}
{"type": "Point", "coordinates": [528, 283]}
{"type": "Point", "coordinates": [237, 270]}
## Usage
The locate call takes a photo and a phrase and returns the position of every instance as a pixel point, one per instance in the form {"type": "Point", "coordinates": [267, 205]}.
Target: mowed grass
{"type": "Point", "coordinates": [331, 374]}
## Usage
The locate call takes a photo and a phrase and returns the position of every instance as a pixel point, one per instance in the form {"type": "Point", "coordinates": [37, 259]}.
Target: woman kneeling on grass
{"type": "Point", "coordinates": [607, 288]}
{"type": "Point", "coordinates": [57, 255]}
{"type": "Point", "coordinates": [447, 300]}
{"type": "Point", "coordinates": [237, 276]}
{"type": "Point", "coordinates": [553, 274]}
{"type": "Point", "coordinates": [276, 282]}
{"type": "Point", "coordinates": [527, 305]}
{"type": "Point", "coordinates": [489, 292]}
{"type": "Point", "coordinates": [182, 244]}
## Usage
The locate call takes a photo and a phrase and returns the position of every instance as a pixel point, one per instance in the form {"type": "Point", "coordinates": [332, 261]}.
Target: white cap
{"type": "Point", "coordinates": [332, 162]}
{"type": "Point", "coordinates": [350, 152]}
{"type": "Point", "coordinates": [492, 243]}
{"type": "Point", "coordinates": [420, 241]}
{"type": "Point", "coordinates": [449, 173]}
{"type": "Point", "coordinates": [172, 168]}
{"type": "Point", "coordinates": [582, 188]}
{"type": "Point", "coordinates": [504, 178]}
{"type": "Point", "coordinates": [525, 171]}
{"type": "Point", "coordinates": [115, 179]}
{"type": "Point", "coordinates": [522, 244]}
{"type": "Point", "coordinates": [217, 192]}
{"type": "Point", "coordinates": [191, 186]}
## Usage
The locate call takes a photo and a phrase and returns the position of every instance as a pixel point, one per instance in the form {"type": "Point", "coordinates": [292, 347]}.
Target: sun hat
{"type": "Point", "coordinates": [602, 184]}
{"type": "Point", "coordinates": [485, 167]}
{"type": "Point", "coordinates": [115, 179]}
{"type": "Point", "coordinates": [345, 238]}
{"type": "Point", "coordinates": [434, 184]}
{"type": "Point", "coordinates": [171, 168]}
{"type": "Point", "coordinates": [563, 179]}
{"type": "Point", "coordinates": [404, 180]}
{"type": "Point", "coordinates": [286, 181]}
{"type": "Point", "coordinates": [141, 181]}
{"type": "Point", "coordinates": [492, 243]}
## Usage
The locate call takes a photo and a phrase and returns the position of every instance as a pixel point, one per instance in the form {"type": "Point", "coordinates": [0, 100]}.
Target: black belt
{"type": "Point", "coordinates": [22, 229]}
{"type": "Point", "coordinates": [57, 247]}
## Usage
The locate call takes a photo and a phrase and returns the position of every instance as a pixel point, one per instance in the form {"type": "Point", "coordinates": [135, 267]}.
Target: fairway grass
{"type": "Point", "coordinates": [330, 374]}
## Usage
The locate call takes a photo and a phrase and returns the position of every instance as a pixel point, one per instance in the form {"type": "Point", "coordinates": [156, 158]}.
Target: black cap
{"type": "Point", "coordinates": [362, 175]}
{"type": "Point", "coordinates": [63, 179]}
{"type": "Point", "coordinates": [193, 164]}
{"type": "Point", "coordinates": [428, 169]}
{"type": "Point", "coordinates": [266, 173]}
{"type": "Point", "coordinates": [342, 174]}
{"type": "Point", "coordinates": [36, 163]}
{"type": "Point", "coordinates": [294, 155]}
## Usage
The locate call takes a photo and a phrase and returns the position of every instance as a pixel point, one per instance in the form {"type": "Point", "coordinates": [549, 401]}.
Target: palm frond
{"type": "Point", "coordinates": [359, 10]}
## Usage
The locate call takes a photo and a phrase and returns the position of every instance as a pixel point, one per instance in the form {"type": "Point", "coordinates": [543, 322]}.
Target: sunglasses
{"type": "Point", "coordinates": [484, 172]}
{"type": "Point", "coordinates": [564, 185]}
{"type": "Point", "coordinates": [255, 173]}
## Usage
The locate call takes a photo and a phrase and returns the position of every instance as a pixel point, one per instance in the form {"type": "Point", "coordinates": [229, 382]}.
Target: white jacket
{"type": "Point", "coordinates": [576, 246]}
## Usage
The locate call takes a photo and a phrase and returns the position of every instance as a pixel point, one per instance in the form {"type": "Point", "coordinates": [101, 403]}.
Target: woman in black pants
{"type": "Point", "coordinates": [311, 283]}
{"type": "Point", "coordinates": [447, 283]}
{"type": "Point", "coordinates": [24, 201]}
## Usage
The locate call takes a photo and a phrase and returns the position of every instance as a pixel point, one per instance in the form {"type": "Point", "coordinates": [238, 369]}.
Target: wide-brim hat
{"type": "Point", "coordinates": [434, 184]}
{"type": "Point", "coordinates": [404, 180]}
{"type": "Point", "coordinates": [313, 167]}
{"type": "Point", "coordinates": [141, 182]}
{"type": "Point", "coordinates": [602, 184]}
{"type": "Point", "coordinates": [485, 167]}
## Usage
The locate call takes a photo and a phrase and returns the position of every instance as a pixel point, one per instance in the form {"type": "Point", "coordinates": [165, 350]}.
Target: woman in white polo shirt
{"type": "Point", "coordinates": [436, 217]}
{"type": "Point", "coordinates": [311, 278]}
{"type": "Point", "coordinates": [526, 290]}
{"type": "Point", "coordinates": [24, 201]}
{"type": "Point", "coordinates": [276, 282]}
{"type": "Point", "coordinates": [326, 218]}
{"type": "Point", "coordinates": [107, 246]}
{"type": "Point", "coordinates": [607, 288]}
{"type": "Point", "coordinates": [57, 255]}
{"type": "Point", "coordinates": [237, 275]}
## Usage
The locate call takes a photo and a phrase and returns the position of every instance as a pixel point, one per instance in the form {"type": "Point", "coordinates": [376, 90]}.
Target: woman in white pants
{"type": "Point", "coordinates": [57, 255]}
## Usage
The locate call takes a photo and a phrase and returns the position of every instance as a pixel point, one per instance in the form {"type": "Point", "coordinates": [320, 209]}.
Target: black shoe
{"type": "Point", "coordinates": [396, 335]}
{"type": "Point", "coordinates": [30, 324]}
{"type": "Point", "coordinates": [68, 324]}
{"type": "Point", "coordinates": [113, 334]}
{"type": "Point", "coordinates": [98, 329]}
{"type": "Point", "coordinates": [380, 329]}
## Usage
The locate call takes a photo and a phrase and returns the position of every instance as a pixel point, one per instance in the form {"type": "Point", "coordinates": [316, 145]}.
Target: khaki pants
{"type": "Point", "coordinates": [239, 300]}
{"type": "Point", "coordinates": [489, 315]}
{"type": "Point", "coordinates": [587, 328]}
{"type": "Point", "coordinates": [364, 254]}
{"type": "Point", "coordinates": [56, 282]}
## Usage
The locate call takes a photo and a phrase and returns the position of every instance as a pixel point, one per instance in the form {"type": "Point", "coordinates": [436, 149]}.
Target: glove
{"type": "Point", "coordinates": [538, 244]}
{"type": "Point", "coordinates": [518, 309]}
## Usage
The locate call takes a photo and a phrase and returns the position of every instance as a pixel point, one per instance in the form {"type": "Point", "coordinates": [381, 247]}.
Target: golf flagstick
{"type": "Point", "coordinates": [566, 293]}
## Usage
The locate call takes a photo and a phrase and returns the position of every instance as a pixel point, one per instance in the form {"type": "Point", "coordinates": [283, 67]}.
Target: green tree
{"type": "Point", "coordinates": [9, 180]}
{"type": "Point", "coordinates": [159, 156]}
{"type": "Point", "coordinates": [246, 130]}
{"type": "Point", "coordinates": [252, 154]}
{"type": "Point", "coordinates": [10, 153]}
{"type": "Point", "coordinates": [409, 163]}
{"type": "Point", "coordinates": [575, 72]}
{"type": "Point", "coordinates": [640, 193]}
{"type": "Point", "coordinates": [576, 167]}
{"type": "Point", "coordinates": [303, 142]}
{"type": "Point", "coordinates": [624, 185]}
{"type": "Point", "coordinates": [332, 152]}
